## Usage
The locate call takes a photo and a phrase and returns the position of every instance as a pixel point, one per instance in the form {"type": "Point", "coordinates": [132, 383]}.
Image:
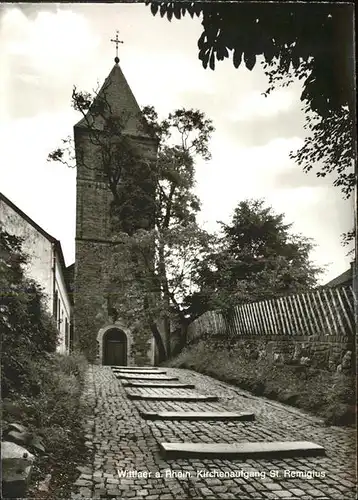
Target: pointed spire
{"type": "Point", "coordinates": [121, 102]}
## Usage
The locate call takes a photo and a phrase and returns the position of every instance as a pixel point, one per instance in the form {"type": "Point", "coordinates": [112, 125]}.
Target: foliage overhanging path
{"type": "Point", "coordinates": [311, 42]}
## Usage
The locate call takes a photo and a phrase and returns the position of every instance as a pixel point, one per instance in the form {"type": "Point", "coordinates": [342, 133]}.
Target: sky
{"type": "Point", "coordinates": [45, 49]}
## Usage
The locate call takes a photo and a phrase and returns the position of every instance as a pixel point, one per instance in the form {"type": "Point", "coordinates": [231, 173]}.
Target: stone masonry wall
{"type": "Point", "coordinates": [93, 257]}
{"type": "Point", "coordinates": [89, 295]}
{"type": "Point", "coordinates": [327, 353]}
{"type": "Point", "coordinates": [90, 309]}
{"type": "Point", "coordinates": [142, 349]}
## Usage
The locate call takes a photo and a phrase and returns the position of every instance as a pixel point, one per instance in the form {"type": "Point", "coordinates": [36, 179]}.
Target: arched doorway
{"type": "Point", "coordinates": [115, 347]}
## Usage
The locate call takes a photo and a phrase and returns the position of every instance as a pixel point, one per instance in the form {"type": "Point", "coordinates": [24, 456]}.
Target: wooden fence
{"type": "Point", "coordinates": [325, 311]}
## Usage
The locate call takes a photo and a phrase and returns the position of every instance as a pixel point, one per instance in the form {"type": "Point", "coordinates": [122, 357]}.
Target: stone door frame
{"type": "Point", "coordinates": [101, 337]}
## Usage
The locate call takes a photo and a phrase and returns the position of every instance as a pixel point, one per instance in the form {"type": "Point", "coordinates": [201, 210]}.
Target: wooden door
{"type": "Point", "coordinates": [116, 353]}
{"type": "Point", "coordinates": [115, 348]}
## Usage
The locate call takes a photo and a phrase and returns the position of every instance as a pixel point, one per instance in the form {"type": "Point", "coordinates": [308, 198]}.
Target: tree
{"type": "Point", "coordinates": [144, 266]}
{"type": "Point", "coordinates": [176, 240]}
{"type": "Point", "coordinates": [142, 294]}
{"type": "Point", "coordinates": [257, 257]}
{"type": "Point", "coordinates": [176, 204]}
{"type": "Point", "coordinates": [330, 143]}
{"type": "Point", "coordinates": [309, 41]}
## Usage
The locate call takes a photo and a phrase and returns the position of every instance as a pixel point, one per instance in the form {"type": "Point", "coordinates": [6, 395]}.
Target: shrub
{"type": "Point", "coordinates": [41, 389]}
{"type": "Point", "coordinates": [55, 415]}
{"type": "Point", "coordinates": [329, 395]}
{"type": "Point", "coordinates": [27, 330]}
{"type": "Point", "coordinates": [57, 399]}
{"type": "Point", "coordinates": [76, 364]}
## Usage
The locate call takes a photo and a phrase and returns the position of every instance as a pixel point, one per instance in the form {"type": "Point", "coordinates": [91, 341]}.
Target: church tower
{"type": "Point", "coordinates": [103, 337]}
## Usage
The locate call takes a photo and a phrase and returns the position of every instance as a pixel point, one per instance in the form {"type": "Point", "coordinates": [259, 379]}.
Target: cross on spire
{"type": "Point", "coordinates": [117, 42]}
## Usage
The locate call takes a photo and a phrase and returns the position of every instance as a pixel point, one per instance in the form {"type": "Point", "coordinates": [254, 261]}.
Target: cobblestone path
{"type": "Point", "coordinates": [121, 442]}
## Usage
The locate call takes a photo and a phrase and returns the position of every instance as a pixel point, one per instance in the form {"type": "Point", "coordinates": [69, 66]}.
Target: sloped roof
{"type": "Point", "coordinates": [121, 102]}
{"type": "Point", "coordinates": [38, 228]}
{"type": "Point", "coordinates": [343, 279]}
{"type": "Point", "coordinates": [27, 218]}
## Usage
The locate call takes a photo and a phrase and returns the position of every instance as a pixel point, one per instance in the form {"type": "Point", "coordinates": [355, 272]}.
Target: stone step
{"type": "Point", "coordinates": [149, 369]}
{"type": "Point", "coordinates": [120, 367]}
{"type": "Point", "coordinates": [135, 376]}
{"type": "Point", "coordinates": [160, 385]}
{"type": "Point", "coordinates": [276, 449]}
{"type": "Point", "coordinates": [168, 397]}
{"type": "Point", "coordinates": [198, 415]}
{"type": "Point", "coordinates": [140, 372]}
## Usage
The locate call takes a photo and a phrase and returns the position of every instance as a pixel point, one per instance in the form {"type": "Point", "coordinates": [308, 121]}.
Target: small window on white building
{"type": "Point", "coordinates": [66, 334]}
{"type": "Point", "coordinates": [59, 315]}
{"type": "Point", "coordinates": [55, 302]}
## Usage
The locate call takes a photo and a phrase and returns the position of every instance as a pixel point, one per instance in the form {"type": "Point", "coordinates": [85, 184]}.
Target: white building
{"type": "Point", "coordinates": [46, 265]}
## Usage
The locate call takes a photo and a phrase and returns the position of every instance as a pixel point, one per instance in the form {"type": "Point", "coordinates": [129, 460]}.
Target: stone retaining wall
{"type": "Point", "coordinates": [327, 353]}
